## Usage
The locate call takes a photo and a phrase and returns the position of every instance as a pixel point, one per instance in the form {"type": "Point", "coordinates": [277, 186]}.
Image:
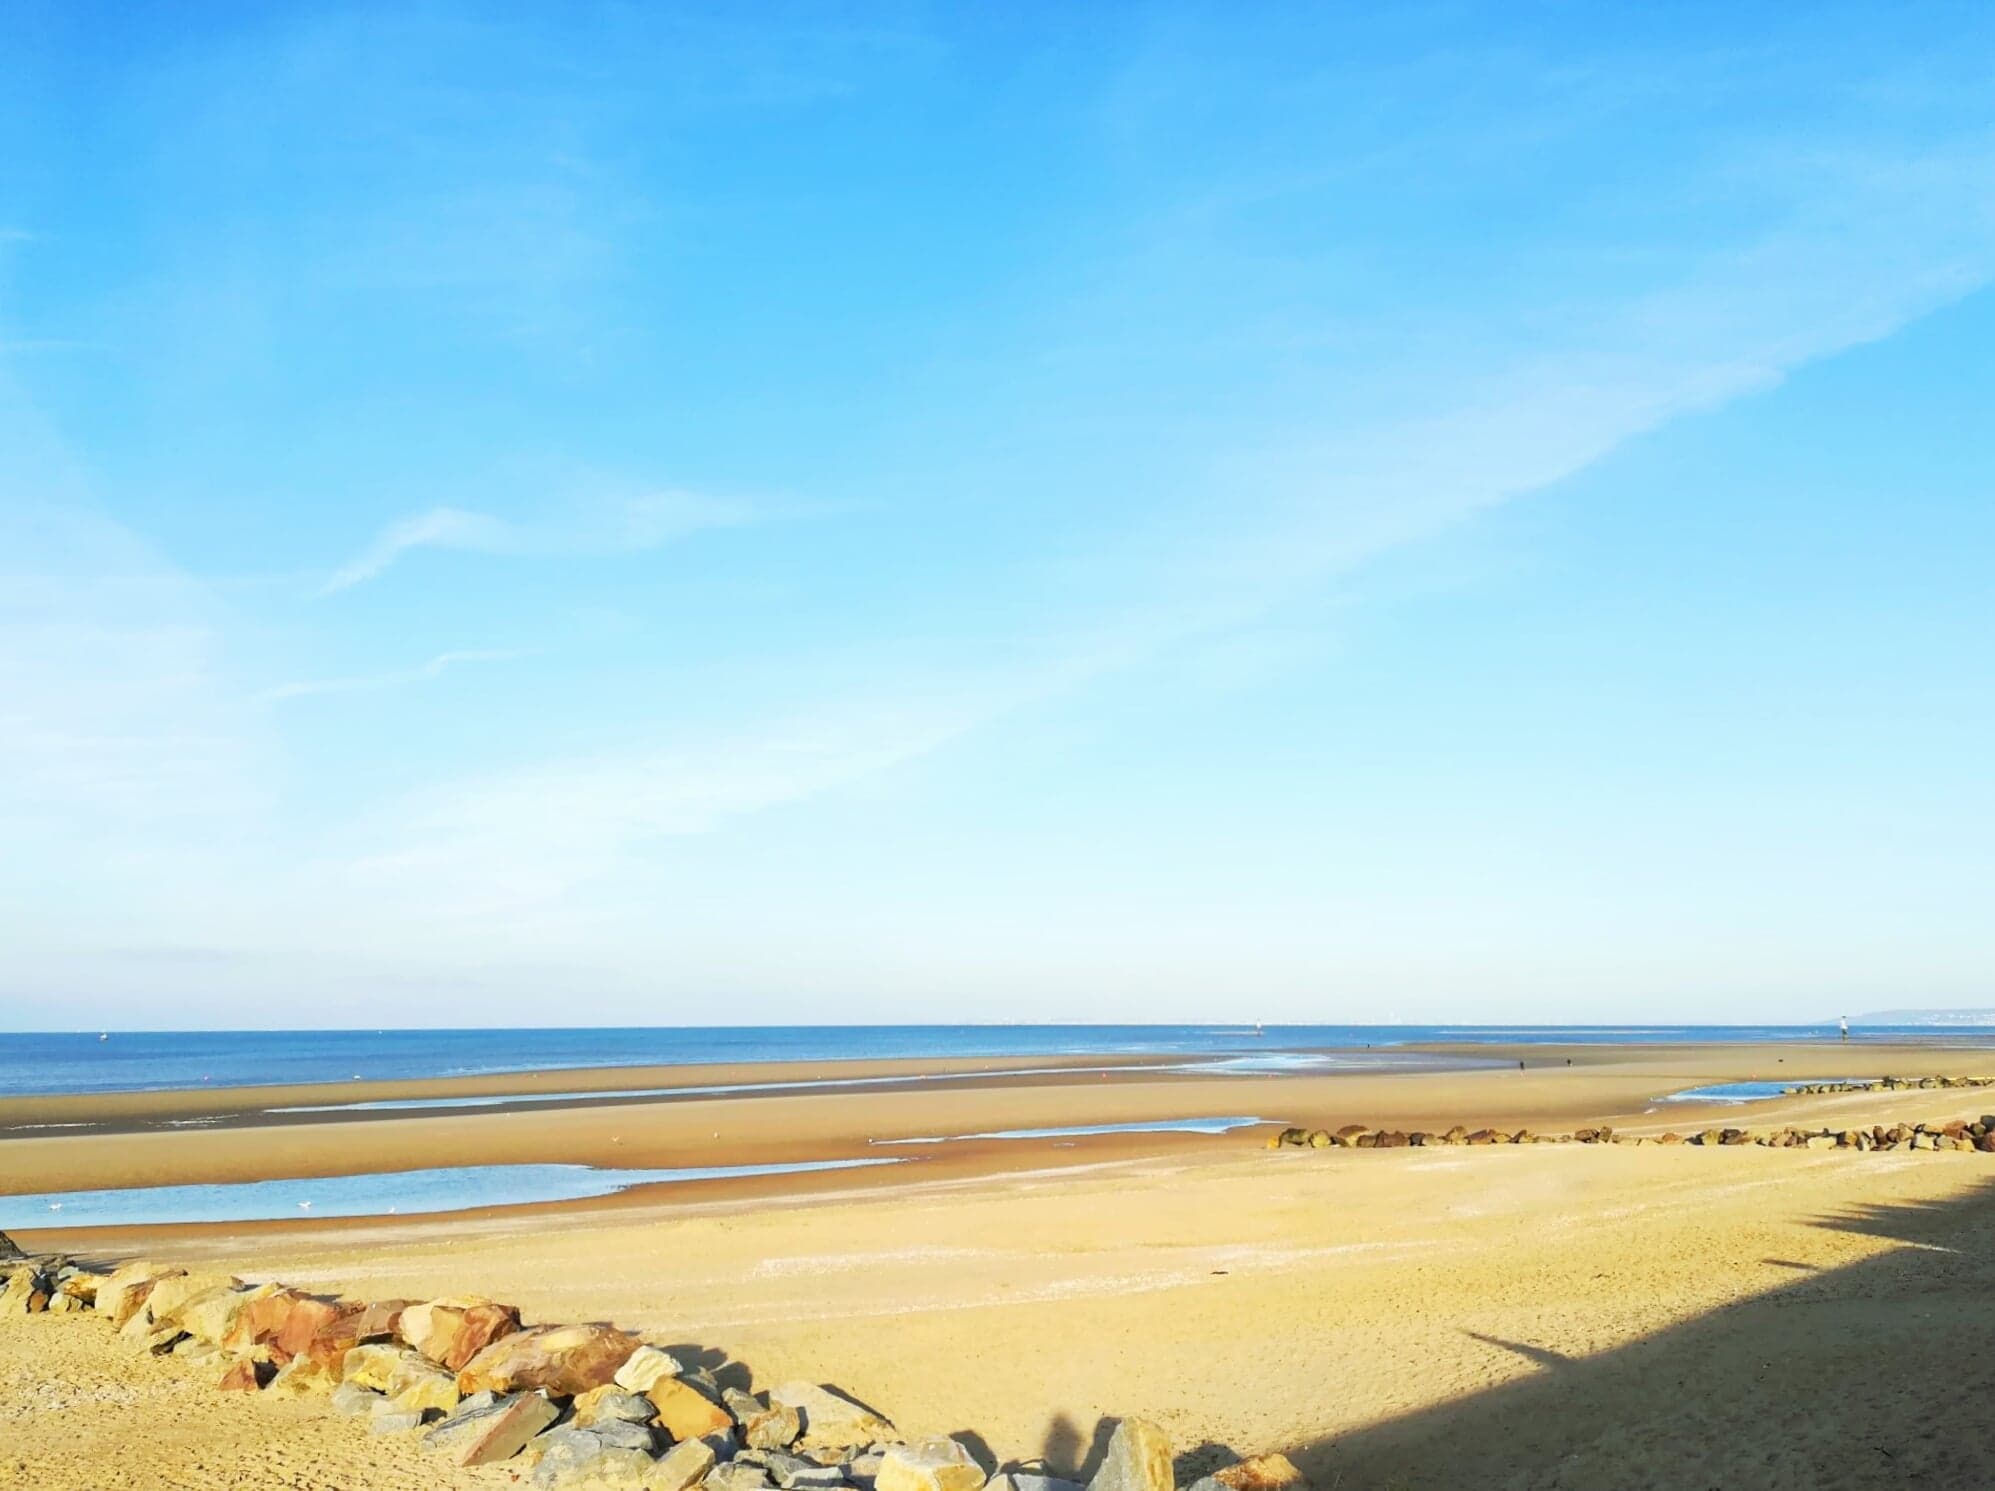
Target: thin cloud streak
{"type": "Point", "coordinates": [631, 525]}
{"type": "Point", "coordinates": [436, 667]}
{"type": "Point", "coordinates": [514, 839]}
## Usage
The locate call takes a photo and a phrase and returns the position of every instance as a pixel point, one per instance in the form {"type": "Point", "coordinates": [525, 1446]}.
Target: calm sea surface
{"type": "Point", "coordinates": [152, 1060]}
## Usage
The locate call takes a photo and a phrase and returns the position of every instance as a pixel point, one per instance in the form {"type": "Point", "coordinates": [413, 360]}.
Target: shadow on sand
{"type": "Point", "coordinates": [1878, 1373]}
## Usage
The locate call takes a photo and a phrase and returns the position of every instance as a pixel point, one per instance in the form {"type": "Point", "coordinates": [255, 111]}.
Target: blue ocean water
{"type": "Point", "coordinates": [1754, 1092]}
{"type": "Point", "coordinates": [386, 1193]}
{"type": "Point", "coordinates": [153, 1060]}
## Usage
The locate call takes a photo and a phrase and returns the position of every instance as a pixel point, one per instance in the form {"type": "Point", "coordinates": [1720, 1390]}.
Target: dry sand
{"type": "Point", "coordinates": [1536, 1317]}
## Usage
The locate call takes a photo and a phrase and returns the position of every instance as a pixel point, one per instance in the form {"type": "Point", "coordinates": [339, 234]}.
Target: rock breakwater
{"type": "Point", "coordinates": [586, 1407]}
{"type": "Point", "coordinates": [1973, 1135]}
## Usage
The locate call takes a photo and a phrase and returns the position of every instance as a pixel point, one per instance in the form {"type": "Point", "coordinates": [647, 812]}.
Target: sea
{"type": "Point", "coordinates": [149, 1061]}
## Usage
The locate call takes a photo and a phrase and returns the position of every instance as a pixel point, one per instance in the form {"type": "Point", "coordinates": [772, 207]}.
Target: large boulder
{"type": "Point", "coordinates": [246, 1376]}
{"type": "Point", "coordinates": [302, 1375]}
{"type": "Point", "coordinates": [212, 1316]}
{"type": "Point", "coordinates": [645, 1366]}
{"type": "Point", "coordinates": [260, 1320]}
{"type": "Point", "coordinates": [492, 1431]}
{"type": "Point", "coordinates": [378, 1321]}
{"type": "Point", "coordinates": [684, 1411]}
{"type": "Point", "coordinates": [1138, 1459]}
{"type": "Point", "coordinates": [420, 1386]}
{"type": "Point", "coordinates": [683, 1466]}
{"type": "Point", "coordinates": [562, 1359]}
{"type": "Point", "coordinates": [80, 1284]}
{"type": "Point", "coordinates": [10, 1251]}
{"type": "Point", "coordinates": [774, 1428]}
{"type": "Point", "coordinates": [574, 1456]}
{"type": "Point", "coordinates": [27, 1291]}
{"type": "Point", "coordinates": [832, 1421]}
{"type": "Point", "coordinates": [321, 1329]}
{"type": "Point", "coordinates": [932, 1465]}
{"type": "Point", "coordinates": [375, 1364]}
{"type": "Point", "coordinates": [452, 1330]}
{"type": "Point", "coordinates": [125, 1291]}
{"type": "Point", "coordinates": [174, 1291]}
{"type": "Point", "coordinates": [611, 1403]}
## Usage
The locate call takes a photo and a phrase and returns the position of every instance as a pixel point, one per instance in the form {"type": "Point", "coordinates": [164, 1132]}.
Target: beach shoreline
{"type": "Point", "coordinates": [143, 1139]}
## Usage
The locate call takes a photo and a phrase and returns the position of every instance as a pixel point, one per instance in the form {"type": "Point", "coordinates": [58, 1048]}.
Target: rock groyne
{"type": "Point", "coordinates": [558, 1406]}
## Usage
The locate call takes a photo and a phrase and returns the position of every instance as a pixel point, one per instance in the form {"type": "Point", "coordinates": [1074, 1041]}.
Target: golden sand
{"type": "Point", "coordinates": [1513, 1317]}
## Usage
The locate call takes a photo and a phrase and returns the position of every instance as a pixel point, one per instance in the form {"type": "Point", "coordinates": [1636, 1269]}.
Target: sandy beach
{"type": "Point", "coordinates": [1529, 1317]}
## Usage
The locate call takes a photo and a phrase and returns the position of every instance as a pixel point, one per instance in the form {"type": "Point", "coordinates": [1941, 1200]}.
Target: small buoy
{"type": "Point", "coordinates": [55, 1206]}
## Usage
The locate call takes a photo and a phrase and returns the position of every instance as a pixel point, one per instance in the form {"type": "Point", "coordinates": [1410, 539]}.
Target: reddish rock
{"type": "Point", "coordinates": [261, 1320]}
{"type": "Point", "coordinates": [453, 1330]}
{"type": "Point", "coordinates": [563, 1360]}
{"type": "Point", "coordinates": [378, 1321]}
{"type": "Point", "coordinates": [246, 1377]}
{"type": "Point", "coordinates": [319, 1328]}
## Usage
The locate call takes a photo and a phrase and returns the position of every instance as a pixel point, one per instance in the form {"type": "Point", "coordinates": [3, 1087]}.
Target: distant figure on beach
{"type": "Point", "coordinates": [1846, 1028]}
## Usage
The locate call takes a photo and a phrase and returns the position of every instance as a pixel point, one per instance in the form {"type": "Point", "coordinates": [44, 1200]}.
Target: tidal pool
{"type": "Point", "coordinates": [457, 1188]}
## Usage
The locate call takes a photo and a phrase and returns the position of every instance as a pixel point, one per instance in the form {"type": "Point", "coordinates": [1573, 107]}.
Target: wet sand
{"type": "Point", "coordinates": [125, 1146]}
{"type": "Point", "coordinates": [1537, 1317]}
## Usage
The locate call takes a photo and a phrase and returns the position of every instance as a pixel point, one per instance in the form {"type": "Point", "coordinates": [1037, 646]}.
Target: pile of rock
{"type": "Point", "coordinates": [1890, 1084]}
{"type": "Point", "coordinates": [574, 1406]}
{"type": "Point", "coordinates": [1954, 1134]}
{"type": "Point", "coordinates": [1958, 1134]}
{"type": "Point", "coordinates": [1358, 1136]}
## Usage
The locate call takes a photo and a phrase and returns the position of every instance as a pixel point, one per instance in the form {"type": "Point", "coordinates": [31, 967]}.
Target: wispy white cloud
{"type": "Point", "coordinates": [1299, 512]}
{"type": "Point", "coordinates": [436, 667]}
{"type": "Point", "coordinates": [628, 525]}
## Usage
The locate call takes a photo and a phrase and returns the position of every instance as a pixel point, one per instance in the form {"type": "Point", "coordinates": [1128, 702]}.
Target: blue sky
{"type": "Point", "coordinates": [716, 514]}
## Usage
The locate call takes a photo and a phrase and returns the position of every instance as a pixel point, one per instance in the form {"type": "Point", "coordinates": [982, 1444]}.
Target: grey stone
{"type": "Point", "coordinates": [790, 1471]}
{"type": "Point", "coordinates": [736, 1478]}
{"type": "Point", "coordinates": [1138, 1459]}
{"type": "Point", "coordinates": [621, 1434]}
{"type": "Point", "coordinates": [683, 1466]}
{"type": "Point", "coordinates": [352, 1399]}
{"type": "Point", "coordinates": [487, 1428]}
{"type": "Point", "coordinates": [811, 1478]}
{"type": "Point", "coordinates": [394, 1422]}
{"type": "Point", "coordinates": [769, 1429]}
{"type": "Point", "coordinates": [631, 1408]}
{"type": "Point", "coordinates": [565, 1454]}
{"type": "Point", "coordinates": [831, 1419]}
{"type": "Point", "coordinates": [938, 1464]}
